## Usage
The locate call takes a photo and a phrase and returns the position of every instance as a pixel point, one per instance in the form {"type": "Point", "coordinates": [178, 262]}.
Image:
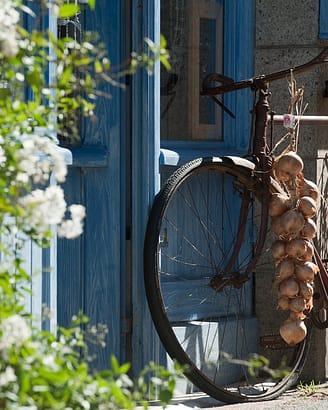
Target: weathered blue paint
{"type": "Point", "coordinates": [115, 174]}
{"type": "Point", "coordinates": [91, 269]}
{"type": "Point", "coordinates": [145, 175]}
{"type": "Point", "coordinates": [323, 20]}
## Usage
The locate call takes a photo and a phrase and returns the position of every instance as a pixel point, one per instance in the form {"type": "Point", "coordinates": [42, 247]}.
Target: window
{"type": "Point", "coordinates": [205, 36]}
{"type": "Point", "coordinates": [194, 32]}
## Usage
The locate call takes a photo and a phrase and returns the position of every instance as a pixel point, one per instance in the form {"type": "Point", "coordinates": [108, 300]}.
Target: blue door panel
{"type": "Point", "coordinates": [69, 260]}
{"type": "Point", "coordinates": [91, 269]}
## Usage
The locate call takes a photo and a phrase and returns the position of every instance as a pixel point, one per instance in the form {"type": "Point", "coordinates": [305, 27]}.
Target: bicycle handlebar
{"type": "Point", "coordinates": [259, 81]}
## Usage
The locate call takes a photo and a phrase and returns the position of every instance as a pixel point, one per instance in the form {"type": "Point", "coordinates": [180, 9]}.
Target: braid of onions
{"type": "Point", "coordinates": [293, 213]}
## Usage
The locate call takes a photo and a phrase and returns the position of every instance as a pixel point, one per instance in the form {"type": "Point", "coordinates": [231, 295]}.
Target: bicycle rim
{"type": "Point", "coordinates": [208, 318]}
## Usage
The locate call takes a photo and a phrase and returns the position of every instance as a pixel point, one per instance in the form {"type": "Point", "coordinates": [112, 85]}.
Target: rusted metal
{"type": "Point", "coordinates": [258, 82]}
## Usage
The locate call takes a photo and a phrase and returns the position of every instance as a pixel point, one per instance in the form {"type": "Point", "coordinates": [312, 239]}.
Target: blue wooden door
{"type": "Point", "coordinates": [116, 173]}
{"type": "Point", "coordinates": [92, 269]}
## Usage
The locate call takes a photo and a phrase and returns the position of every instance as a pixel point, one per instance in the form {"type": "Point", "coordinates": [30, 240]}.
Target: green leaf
{"type": "Point", "coordinates": [68, 10]}
{"type": "Point", "coordinates": [98, 67]}
{"type": "Point", "coordinates": [92, 3]}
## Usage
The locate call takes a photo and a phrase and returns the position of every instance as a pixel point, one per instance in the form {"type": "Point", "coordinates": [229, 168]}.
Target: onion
{"type": "Point", "coordinates": [278, 249]}
{"type": "Point", "coordinates": [293, 331]}
{"type": "Point", "coordinates": [309, 230]}
{"type": "Point", "coordinates": [283, 303]}
{"type": "Point", "coordinates": [288, 166]}
{"type": "Point", "coordinates": [308, 256]}
{"type": "Point", "coordinates": [297, 304]}
{"type": "Point", "coordinates": [288, 287]}
{"type": "Point", "coordinates": [305, 271]}
{"type": "Point", "coordinates": [278, 204]}
{"type": "Point", "coordinates": [307, 206]}
{"type": "Point", "coordinates": [296, 248]}
{"type": "Point", "coordinates": [306, 290]}
{"type": "Point", "coordinates": [291, 223]}
{"type": "Point", "coordinates": [285, 269]}
{"type": "Point", "coordinates": [308, 188]}
{"type": "Point", "coordinates": [276, 226]}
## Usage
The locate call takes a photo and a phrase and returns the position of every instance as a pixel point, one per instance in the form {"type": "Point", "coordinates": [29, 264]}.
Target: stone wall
{"type": "Point", "coordinates": [286, 36]}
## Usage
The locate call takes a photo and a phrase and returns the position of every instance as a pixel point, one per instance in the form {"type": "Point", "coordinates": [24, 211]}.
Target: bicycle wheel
{"type": "Point", "coordinates": [200, 238]}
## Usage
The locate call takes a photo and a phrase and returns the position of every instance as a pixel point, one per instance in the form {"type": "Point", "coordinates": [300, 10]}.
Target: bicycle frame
{"type": "Point", "coordinates": [264, 161]}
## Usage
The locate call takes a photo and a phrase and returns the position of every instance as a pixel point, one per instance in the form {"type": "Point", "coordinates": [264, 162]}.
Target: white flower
{"type": "Point", "coordinates": [38, 157]}
{"type": "Point", "coordinates": [2, 156]}
{"type": "Point", "coordinates": [9, 18]}
{"type": "Point", "coordinates": [50, 362]}
{"type": "Point", "coordinates": [71, 228]}
{"type": "Point", "coordinates": [44, 207]}
{"type": "Point", "coordinates": [14, 332]}
{"type": "Point", "coordinates": [8, 376]}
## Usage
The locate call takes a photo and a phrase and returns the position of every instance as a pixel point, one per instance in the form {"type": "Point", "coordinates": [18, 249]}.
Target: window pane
{"type": "Point", "coordinates": [193, 29]}
{"type": "Point", "coordinates": [207, 64]}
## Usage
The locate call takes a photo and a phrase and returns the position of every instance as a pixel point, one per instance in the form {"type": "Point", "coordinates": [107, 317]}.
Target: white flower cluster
{"type": "Point", "coordinates": [71, 228]}
{"type": "Point", "coordinates": [14, 332]}
{"type": "Point", "coordinates": [44, 207]}
{"type": "Point", "coordinates": [9, 17]}
{"type": "Point", "coordinates": [38, 157]}
{"type": "Point", "coordinates": [7, 377]}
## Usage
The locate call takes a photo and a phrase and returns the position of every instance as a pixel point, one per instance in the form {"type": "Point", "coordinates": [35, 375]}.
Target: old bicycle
{"type": "Point", "coordinates": [204, 283]}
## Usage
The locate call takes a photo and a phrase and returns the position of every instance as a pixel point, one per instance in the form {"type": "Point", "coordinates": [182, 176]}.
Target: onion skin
{"type": "Point", "coordinates": [297, 304]}
{"type": "Point", "coordinates": [278, 249]}
{"type": "Point", "coordinates": [309, 230]}
{"type": "Point", "coordinates": [291, 223]}
{"type": "Point", "coordinates": [307, 206]}
{"type": "Point", "coordinates": [308, 188]}
{"type": "Point", "coordinates": [278, 204]}
{"type": "Point", "coordinates": [285, 269]}
{"type": "Point", "coordinates": [296, 248]}
{"type": "Point", "coordinates": [293, 331]}
{"type": "Point", "coordinates": [283, 303]}
{"type": "Point", "coordinates": [306, 290]}
{"type": "Point", "coordinates": [288, 287]}
{"type": "Point", "coordinates": [288, 166]}
{"type": "Point", "coordinates": [308, 256]}
{"type": "Point", "coordinates": [305, 271]}
{"type": "Point", "coordinates": [276, 226]}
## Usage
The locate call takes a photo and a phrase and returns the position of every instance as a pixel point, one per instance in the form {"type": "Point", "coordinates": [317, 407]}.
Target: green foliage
{"type": "Point", "coordinates": [307, 389]}
{"type": "Point", "coordinates": [47, 372]}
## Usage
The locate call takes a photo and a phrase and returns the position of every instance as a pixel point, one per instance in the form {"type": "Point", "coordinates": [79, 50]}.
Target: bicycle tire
{"type": "Point", "coordinates": [179, 292]}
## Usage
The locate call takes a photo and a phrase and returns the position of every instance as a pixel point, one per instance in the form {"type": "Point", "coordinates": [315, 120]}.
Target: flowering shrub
{"type": "Point", "coordinates": [40, 370]}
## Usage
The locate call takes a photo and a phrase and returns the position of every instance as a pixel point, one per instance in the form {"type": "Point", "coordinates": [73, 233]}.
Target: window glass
{"type": "Point", "coordinates": [194, 32]}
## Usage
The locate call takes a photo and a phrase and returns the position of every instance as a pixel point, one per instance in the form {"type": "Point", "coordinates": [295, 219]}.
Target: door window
{"type": "Point", "coordinates": [205, 36]}
{"type": "Point", "coordinates": [194, 33]}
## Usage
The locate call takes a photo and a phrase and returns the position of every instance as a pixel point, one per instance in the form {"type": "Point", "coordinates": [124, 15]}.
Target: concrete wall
{"type": "Point", "coordinates": [286, 36]}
